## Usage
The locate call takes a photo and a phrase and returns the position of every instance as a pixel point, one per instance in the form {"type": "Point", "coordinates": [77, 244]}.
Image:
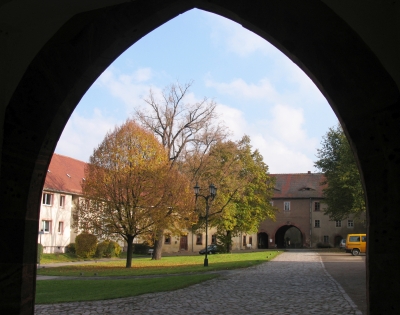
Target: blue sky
{"type": "Point", "coordinates": [259, 91]}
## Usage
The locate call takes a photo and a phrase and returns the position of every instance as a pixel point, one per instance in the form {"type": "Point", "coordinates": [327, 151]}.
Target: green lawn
{"type": "Point", "coordinates": [57, 258]}
{"type": "Point", "coordinates": [57, 291]}
{"type": "Point", "coordinates": [167, 265]}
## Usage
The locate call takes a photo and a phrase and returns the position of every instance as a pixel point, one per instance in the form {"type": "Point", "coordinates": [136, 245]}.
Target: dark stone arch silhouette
{"type": "Point", "coordinates": [262, 240]}
{"type": "Point", "coordinates": [280, 237]}
{"type": "Point", "coordinates": [323, 40]}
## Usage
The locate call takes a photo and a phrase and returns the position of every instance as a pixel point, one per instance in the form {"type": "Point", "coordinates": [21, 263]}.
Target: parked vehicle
{"type": "Point", "coordinates": [211, 249]}
{"type": "Point", "coordinates": [342, 244]}
{"type": "Point", "coordinates": [356, 244]}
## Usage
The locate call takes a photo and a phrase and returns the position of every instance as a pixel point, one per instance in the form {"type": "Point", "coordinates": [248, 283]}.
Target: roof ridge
{"type": "Point", "coordinates": [68, 157]}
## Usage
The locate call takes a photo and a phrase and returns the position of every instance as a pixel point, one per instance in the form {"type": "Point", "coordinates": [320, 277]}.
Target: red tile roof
{"type": "Point", "coordinates": [65, 174]}
{"type": "Point", "coordinates": [305, 185]}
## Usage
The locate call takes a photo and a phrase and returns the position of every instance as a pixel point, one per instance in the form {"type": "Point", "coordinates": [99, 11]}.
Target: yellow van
{"type": "Point", "coordinates": [356, 244]}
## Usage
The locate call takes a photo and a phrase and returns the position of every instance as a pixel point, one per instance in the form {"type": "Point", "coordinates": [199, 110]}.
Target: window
{"type": "Point", "coordinates": [317, 223]}
{"type": "Point", "coordinates": [244, 240]}
{"type": "Point", "coordinates": [47, 199]}
{"type": "Point", "coordinates": [326, 239]}
{"type": "Point", "coordinates": [214, 239]}
{"type": "Point", "coordinates": [199, 239]}
{"type": "Point", "coordinates": [363, 238]}
{"type": "Point", "coordinates": [60, 227]}
{"type": "Point", "coordinates": [354, 239]}
{"type": "Point", "coordinates": [62, 201]}
{"type": "Point", "coordinates": [338, 223]}
{"type": "Point", "coordinates": [350, 223]}
{"type": "Point", "coordinates": [167, 239]}
{"type": "Point", "coordinates": [286, 206]}
{"type": "Point", "coordinates": [46, 225]}
{"type": "Point", "coordinates": [250, 240]}
{"type": "Point", "coordinates": [317, 206]}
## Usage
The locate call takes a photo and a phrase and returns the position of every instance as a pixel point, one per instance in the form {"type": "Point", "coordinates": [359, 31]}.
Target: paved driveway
{"type": "Point", "coordinates": [293, 283]}
{"type": "Point", "coordinates": [350, 272]}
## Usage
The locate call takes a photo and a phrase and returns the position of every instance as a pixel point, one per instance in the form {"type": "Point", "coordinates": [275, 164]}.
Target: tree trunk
{"type": "Point", "coordinates": [130, 250]}
{"type": "Point", "coordinates": [229, 241]}
{"type": "Point", "coordinates": [158, 245]}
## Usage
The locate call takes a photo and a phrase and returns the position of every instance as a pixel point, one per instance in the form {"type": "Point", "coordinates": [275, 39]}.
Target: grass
{"type": "Point", "coordinates": [167, 265]}
{"type": "Point", "coordinates": [57, 291]}
{"type": "Point", "coordinates": [57, 258]}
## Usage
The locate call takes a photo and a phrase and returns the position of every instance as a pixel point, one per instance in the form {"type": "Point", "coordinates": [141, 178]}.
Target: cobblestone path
{"type": "Point", "coordinates": [293, 283]}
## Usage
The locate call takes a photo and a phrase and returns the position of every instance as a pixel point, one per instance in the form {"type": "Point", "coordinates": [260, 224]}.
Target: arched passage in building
{"type": "Point", "coordinates": [350, 54]}
{"type": "Point", "coordinates": [262, 240]}
{"type": "Point", "coordinates": [289, 236]}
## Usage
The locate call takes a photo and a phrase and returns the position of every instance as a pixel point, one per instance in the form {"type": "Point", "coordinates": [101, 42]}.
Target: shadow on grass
{"type": "Point", "coordinates": [167, 265]}
{"type": "Point", "coordinates": [58, 291]}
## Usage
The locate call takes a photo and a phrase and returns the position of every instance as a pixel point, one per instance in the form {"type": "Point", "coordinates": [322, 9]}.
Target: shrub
{"type": "Point", "coordinates": [141, 249]}
{"type": "Point", "coordinates": [323, 245]}
{"type": "Point", "coordinates": [70, 248]}
{"type": "Point", "coordinates": [102, 249]}
{"type": "Point", "coordinates": [114, 249]}
{"type": "Point", "coordinates": [223, 242]}
{"type": "Point", "coordinates": [85, 245]}
{"type": "Point", "coordinates": [39, 252]}
{"type": "Point", "coordinates": [108, 249]}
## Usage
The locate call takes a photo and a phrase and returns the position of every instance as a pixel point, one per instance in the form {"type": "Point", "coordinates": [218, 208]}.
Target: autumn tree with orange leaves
{"type": "Point", "coordinates": [130, 188]}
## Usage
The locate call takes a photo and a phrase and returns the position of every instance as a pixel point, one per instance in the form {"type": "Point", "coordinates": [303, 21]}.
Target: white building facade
{"type": "Point", "coordinates": [62, 187]}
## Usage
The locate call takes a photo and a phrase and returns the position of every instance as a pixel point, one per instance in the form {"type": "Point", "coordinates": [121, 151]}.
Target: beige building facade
{"type": "Point", "coordinates": [190, 241]}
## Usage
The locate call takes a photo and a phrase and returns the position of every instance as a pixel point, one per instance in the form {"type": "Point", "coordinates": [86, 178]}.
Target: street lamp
{"type": "Point", "coordinates": [211, 196]}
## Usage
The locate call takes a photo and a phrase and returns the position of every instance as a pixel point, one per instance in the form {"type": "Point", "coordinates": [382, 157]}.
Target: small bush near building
{"type": "Point", "coordinates": [70, 248]}
{"type": "Point", "coordinates": [85, 245]}
{"type": "Point", "coordinates": [141, 248]}
{"type": "Point", "coordinates": [101, 249]}
{"type": "Point", "coordinates": [323, 245]}
{"type": "Point", "coordinates": [108, 249]}
{"type": "Point", "coordinates": [114, 249]}
{"type": "Point", "coordinates": [39, 252]}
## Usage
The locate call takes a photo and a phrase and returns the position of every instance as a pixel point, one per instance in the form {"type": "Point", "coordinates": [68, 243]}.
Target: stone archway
{"type": "Point", "coordinates": [262, 240]}
{"type": "Point", "coordinates": [47, 68]}
{"type": "Point", "coordinates": [289, 236]}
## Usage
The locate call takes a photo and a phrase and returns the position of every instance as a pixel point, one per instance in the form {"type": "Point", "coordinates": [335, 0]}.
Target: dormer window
{"type": "Point", "coordinates": [306, 188]}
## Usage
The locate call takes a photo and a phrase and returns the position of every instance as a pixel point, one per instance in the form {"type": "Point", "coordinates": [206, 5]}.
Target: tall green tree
{"type": "Point", "coordinates": [344, 194]}
{"type": "Point", "coordinates": [244, 189]}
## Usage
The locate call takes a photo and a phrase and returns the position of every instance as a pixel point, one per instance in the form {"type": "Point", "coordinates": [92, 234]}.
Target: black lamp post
{"type": "Point", "coordinates": [211, 196]}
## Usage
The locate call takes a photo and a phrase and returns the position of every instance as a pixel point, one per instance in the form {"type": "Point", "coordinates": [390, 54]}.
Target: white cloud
{"type": "Point", "coordinates": [239, 88]}
{"type": "Point", "coordinates": [236, 38]}
{"type": "Point", "coordinates": [280, 157]}
{"type": "Point", "coordinates": [282, 140]}
{"type": "Point", "coordinates": [82, 135]}
{"type": "Point", "coordinates": [233, 119]}
{"type": "Point", "coordinates": [288, 125]}
{"type": "Point", "coordinates": [129, 88]}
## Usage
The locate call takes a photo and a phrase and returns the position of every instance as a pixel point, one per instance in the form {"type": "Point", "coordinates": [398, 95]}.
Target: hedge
{"type": "Point", "coordinates": [39, 252]}
{"type": "Point", "coordinates": [85, 245]}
